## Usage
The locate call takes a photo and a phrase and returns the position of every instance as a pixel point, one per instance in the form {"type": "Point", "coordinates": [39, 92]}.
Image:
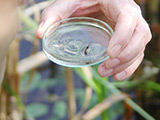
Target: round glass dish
{"type": "Point", "coordinates": [77, 41]}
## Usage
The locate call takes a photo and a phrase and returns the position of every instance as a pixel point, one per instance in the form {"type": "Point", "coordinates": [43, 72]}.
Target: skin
{"type": "Point", "coordinates": [9, 28]}
{"type": "Point", "coordinates": [131, 31]}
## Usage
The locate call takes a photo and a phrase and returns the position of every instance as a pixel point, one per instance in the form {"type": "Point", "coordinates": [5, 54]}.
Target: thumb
{"type": "Point", "coordinates": [56, 11]}
{"type": "Point", "coordinates": [62, 9]}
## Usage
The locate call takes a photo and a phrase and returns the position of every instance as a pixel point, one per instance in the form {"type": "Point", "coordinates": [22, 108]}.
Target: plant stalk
{"type": "Point", "coordinates": [70, 93]}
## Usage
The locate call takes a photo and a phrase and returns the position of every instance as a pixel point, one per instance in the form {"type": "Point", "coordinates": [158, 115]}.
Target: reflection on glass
{"type": "Point", "coordinates": [77, 42]}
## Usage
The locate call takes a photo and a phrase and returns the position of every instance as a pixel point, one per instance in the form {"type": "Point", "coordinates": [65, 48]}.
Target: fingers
{"type": "Point", "coordinates": [122, 71]}
{"type": "Point", "coordinates": [130, 70]}
{"type": "Point", "coordinates": [140, 38]}
{"type": "Point", "coordinates": [131, 33]}
{"type": "Point", "coordinates": [129, 55]}
{"type": "Point", "coordinates": [123, 32]}
{"type": "Point", "coordinates": [86, 11]}
{"type": "Point", "coordinates": [63, 9]}
{"type": "Point", "coordinates": [126, 15]}
{"type": "Point", "coordinates": [137, 43]}
{"type": "Point", "coordinates": [128, 41]}
{"type": "Point", "coordinates": [53, 13]}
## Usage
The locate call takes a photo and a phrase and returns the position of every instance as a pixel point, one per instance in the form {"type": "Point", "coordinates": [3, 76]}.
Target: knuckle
{"type": "Point", "coordinates": [147, 32]}
{"type": "Point", "coordinates": [131, 11]}
{"type": "Point", "coordinates": [125, 57]}
{"type": "Point", "coordinates": [138, 9]}
{"type": "Point", "coordinates": [149, 35]}
{"type": "Point", "coordinates": [126, 11]}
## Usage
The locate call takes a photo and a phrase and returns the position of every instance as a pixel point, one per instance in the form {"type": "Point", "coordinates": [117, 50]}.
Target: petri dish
{"type": "Point", "coordinates": [77, 41]}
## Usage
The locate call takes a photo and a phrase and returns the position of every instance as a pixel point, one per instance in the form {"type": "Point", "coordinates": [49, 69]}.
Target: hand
{"type": "Point", "coordinates": [131, 32]}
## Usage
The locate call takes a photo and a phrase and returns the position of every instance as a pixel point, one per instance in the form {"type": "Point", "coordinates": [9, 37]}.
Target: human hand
{"type": "Point", "coordinates": [131, 33]}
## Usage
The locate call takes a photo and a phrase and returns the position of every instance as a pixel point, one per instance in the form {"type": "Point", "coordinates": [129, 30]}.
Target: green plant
{"type": "Point", "coordinates": [98, 99]}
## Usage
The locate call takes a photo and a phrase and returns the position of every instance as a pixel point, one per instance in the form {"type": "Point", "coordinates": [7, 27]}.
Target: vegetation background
{"type": "Point", "coordinates": [36, 89]}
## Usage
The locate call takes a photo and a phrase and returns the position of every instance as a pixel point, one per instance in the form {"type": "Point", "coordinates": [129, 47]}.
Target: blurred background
{"type": "Point", "coordinates": [36, 89]}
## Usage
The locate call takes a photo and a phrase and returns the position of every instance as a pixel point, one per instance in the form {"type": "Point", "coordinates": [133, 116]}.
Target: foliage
{"type": "Point", "coordinates": [36, 110]}
{"type": "Point", "coordinates": [60, 109]}
{"type": "Point", "coordinates": [39, 96]}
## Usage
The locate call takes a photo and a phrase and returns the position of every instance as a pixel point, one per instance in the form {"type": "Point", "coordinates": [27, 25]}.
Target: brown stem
{"type": "Point", "coordinates": [128, 111]}
{"type": "Point", "coordinates": [88, 95]}
{"type": "Point", "coordinates": [3, 111]}
{"type": "Point", "coordinates": [70, 92]}
{"type": "Point", "coordinates": [99, 108]}
{"type": "Point", "coordinates": [36, 10]}
{"type": "Point", "coordinates": [31, 62]}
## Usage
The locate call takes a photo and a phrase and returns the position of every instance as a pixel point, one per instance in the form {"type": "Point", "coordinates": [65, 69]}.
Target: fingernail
{"type": "Point", "coordinates": [105, 72]}
{"type": "Point", "coordinates": [115, 51]}
{"type": "Point", "coordinates": [121, 75]}
{"type": "Point", "coordinates": [111, 63]}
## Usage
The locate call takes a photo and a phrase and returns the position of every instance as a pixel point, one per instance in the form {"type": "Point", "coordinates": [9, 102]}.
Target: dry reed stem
{"type": "Point", "coordinates": [88, 95]}
{"type": "Point", "coordinates": [0, 90]}
{"type": "Point", "coordinates": [33, 9]}
{"type": "Point", "coordinates": [87, 72]}
{"type": "Point", "coordinates": [128, 111]}
{"type": "Point", "coordinates": [70, 93]}
{"type": "Point", "coordinates": [15, 113]}
{"type": "Point", "coordinates": [31, 62]}
{"type": "Point", "coordinates": [39, 58]}
{"type": "Point", "coordinates": [36, 10]}
{"type": "Point", "coordinates": [12, 80]}
{"type": "Point", "coordinates": [99, 108]}
{"type": "Point", "coordinates": [29, 81]}
{"type": "Point", "coordinates": [0, 100]}
{"type": "Point", "coordinates": [11, 75]}
{"type": "Point", "coordinates": [3, 109]}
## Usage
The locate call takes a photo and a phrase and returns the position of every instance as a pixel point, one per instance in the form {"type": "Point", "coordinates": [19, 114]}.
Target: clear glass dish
{"type": "Point", "coordinates": [77, 41]}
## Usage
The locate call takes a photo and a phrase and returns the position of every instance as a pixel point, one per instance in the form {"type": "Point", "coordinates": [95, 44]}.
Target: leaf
{"type": "Point", "coordinates": [11, 92]}
{"type": "Point", "coordinates": [27, 20]}
{"type": "Point", "coordinates": [47, 83]}
{"type": "Point", "coordinates": [113, 89]}
{"type": "Point", "coordinates": [34, 84]}
{"type": "Point", "coordinates": [93, 100]}
{"type": "Point", "coordinates": [88, 80]}
{"type": "Point", "coordinates": [60, 109]}
{"type": "Point", "coordinates": [54, 118]}
{"type": "Point", "coordinates": [153, 86]}
{"type": "Point", "coordinates": [116, 110]}
{"type": "Point", "coordinates": [36, 110]}
{"type": "Point", "coordinates": [80, 94]}
{"type": "Point", "coordinates": [102, 106]}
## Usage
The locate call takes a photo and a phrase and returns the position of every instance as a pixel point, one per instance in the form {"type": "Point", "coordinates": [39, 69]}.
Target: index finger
{"type": "Point", "coordinates": [123, 32]}
{"type": "Point", "coordinates": [125, 14]}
